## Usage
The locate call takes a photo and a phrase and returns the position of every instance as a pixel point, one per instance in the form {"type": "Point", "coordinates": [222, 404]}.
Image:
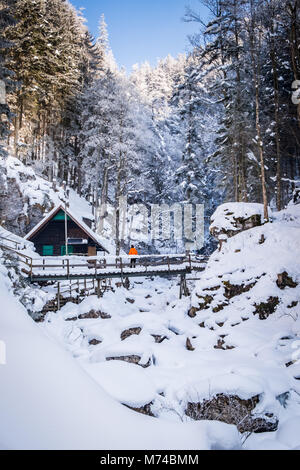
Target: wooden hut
{"type": "Point", "coordinates": [49, 236]}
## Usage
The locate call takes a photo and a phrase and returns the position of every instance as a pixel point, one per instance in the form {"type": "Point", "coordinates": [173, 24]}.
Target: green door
{"type": "Point", "coordinates": [63, 250]}
{"type": "Point", "coordinates": [48, 250]}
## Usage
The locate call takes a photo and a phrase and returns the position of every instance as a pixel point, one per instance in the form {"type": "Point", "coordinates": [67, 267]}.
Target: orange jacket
{"type": "Point", "coordinates": [132, 252]}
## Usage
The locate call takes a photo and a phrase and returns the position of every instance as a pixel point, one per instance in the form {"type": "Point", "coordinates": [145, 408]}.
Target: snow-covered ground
{"type": "Point", "coordinates": [49, 402]}
{"type": "Point", "coordinates": [223, 348]}
{"type": "Point", "coordinates": [66, 380]}
{"type": "Point", "coordinates": [175, 375]}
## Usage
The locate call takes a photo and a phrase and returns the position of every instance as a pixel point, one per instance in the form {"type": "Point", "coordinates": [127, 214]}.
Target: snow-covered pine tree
{"type": "Point", "coordinates": [189, 102]}
{"type": "Point", "coordinates": [229, 81]}
{"type": "Point", "coordinates": [48, 58]}
{"type": "Point", "coordinates": [278, 120]}
{"type": "Point", "coordinates": [112, 140]}
{"type": "Point", "coordinates": [7, 84]}
{"type": "Point", "coordinates": [6, 76]}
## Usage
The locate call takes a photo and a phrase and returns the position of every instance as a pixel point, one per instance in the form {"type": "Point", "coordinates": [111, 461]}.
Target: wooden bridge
{"type": "Point", "coordinates": [74, 268]}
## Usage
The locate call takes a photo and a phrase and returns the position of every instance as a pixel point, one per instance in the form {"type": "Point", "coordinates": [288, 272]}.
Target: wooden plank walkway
{"type": "Point", "coordinates": [75, 268]}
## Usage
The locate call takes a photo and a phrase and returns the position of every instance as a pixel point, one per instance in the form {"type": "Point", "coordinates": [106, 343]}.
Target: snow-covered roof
{"type": "Point", "coordinates": [78, 220]}
{"type": "Point", "coordinates": [37, 190]}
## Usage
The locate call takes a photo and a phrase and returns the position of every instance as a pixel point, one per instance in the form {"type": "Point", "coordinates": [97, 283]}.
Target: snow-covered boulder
{"type": "Point", "coordinates": [249, 298]}
{"type": "Point", "coordinates": [235, 217]}
{"type": "Point", "coordinates": [231, 409]}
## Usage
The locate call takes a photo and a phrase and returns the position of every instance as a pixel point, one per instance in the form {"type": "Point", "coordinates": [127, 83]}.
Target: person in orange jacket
{"type": "Point", "coordinates": [133, 252]}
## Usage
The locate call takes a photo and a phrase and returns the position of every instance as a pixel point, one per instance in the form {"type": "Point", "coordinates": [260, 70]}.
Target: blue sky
{"type": "Point", "coordinates": [142, 29]}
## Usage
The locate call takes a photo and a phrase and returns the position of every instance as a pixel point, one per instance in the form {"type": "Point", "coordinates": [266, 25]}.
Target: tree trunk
{"type": "Point", "coordinates": [240, 190]}
{"type": "Point", "coordinates": [117, 197]}
{"type": "Point", "coordinates": [276, 116]}
{"type": "Point", "coordinates": [16, 136]}
{"type": "Point", "coordinates": [255, 48]}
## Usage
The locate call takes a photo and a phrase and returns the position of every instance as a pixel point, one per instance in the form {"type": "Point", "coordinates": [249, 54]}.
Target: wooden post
{"type": "Point", "coordinates": [66, 228]}
{"type": "Point", "coordinates": [183, 287]}
{"type": "Point", "coordinates": [58, 296]}
{"type": "Point", "coordinates": [30, 268]}
{"type": "Point", "coordinates": [180, 290]}
{"type": "Point", "coordinates": [189, 259]}
{"type": "Point", "coordinates": [168, 263]}
{"type": "Point", "coordinates": [68, 268]}
{"type": "Point", "coordinates": [122, 278]}
{"type": "Point", "coordinates": [127, 283]}
{"type": "Point", "coordinates": [186, 292]}
{"type": "Point", "coordinates": [98, 289]}
{"type": "Point", "coordinates": [43, 264]}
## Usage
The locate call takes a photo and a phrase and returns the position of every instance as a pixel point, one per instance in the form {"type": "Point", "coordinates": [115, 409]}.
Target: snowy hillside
{"type": "Point", "coordinates": [248, 301]}
{"type": "Point", "coordinates": [229, 353]}
{"type": "Point", "coordinates": [49, 402]}
{"type": "Point", "coordinates": [219, 369]}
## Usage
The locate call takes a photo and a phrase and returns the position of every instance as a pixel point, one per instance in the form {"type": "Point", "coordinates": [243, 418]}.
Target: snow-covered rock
{"type": "Point", "coordinates": [234, 217]}
{"type": "Point", "coordinates": [26, 199]}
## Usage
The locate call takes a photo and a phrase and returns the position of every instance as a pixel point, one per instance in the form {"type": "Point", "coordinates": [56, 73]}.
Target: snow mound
{"type": "Point", "coordinates": [227, 384]}
{"type": "Point", "coordinates": [123, 381]}
{"type": "Point", "coordinates": [234, 217]}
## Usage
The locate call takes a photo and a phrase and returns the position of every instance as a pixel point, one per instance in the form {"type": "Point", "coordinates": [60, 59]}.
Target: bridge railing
{"type": "Point", "coordinates": [69, 265]}
{"type": "Point", "coordinates": [72, 265]}
{"type": "Point", "coordinates": [25, 260]}
{"type": "Point", "coordinates": [10, 243]}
